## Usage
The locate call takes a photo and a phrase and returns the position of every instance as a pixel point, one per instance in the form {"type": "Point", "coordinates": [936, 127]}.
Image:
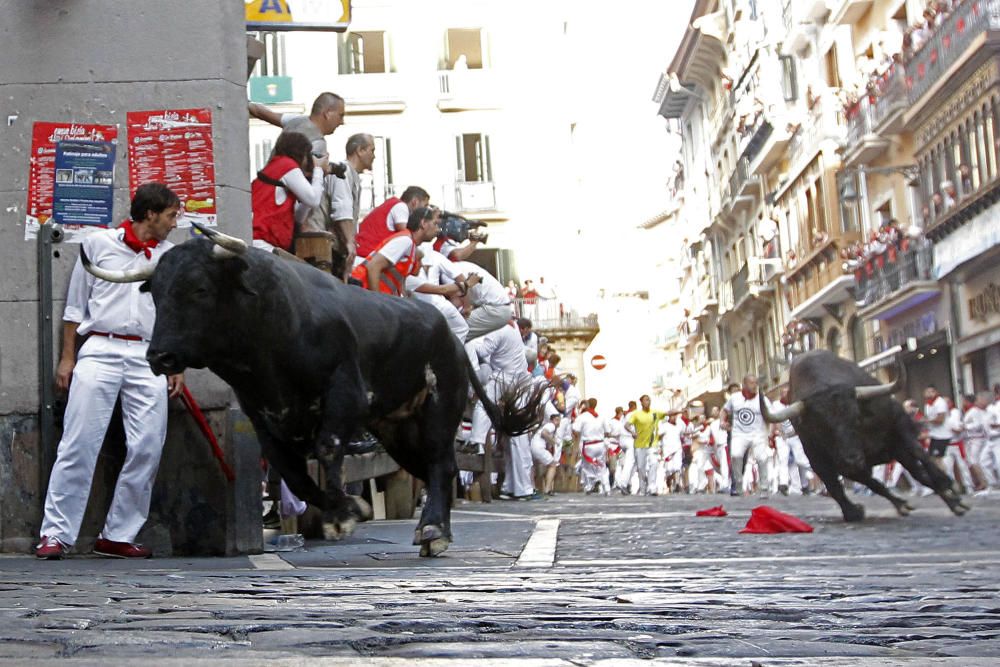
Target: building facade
{"type": "Point", "coordinates": [838, 178]}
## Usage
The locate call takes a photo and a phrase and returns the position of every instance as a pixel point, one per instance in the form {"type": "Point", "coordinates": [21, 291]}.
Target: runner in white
{"type": "Point", "coordinates": [546, 450]}
{"type": "Point", "coordinates": [589, 432]}
{"type": "Point", "coordinates": [750, 433]}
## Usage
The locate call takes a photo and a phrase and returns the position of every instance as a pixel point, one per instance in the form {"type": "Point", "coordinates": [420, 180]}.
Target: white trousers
{"type": "Point", "coordinates": [456, 322]}
{"type": "Point", "coordinates": [597, 472]}
{"type": "Point", "coordinates": [625, 469]}
{"type": "Point", "coordinates": [517, 472]}
{"type": "Point", "coordinates": [989, 461]}
{"type": "Point", "coordinates": [647, 482]}
{"type": "Point", "coordinates": [800, 472]}
{"type": "Point", "coordinates": [700, 463]}
{"type": "Point", "coordinates": [104, 369]}
{"type": "Point", "coordinates": [953, 460]}
{"type": "Point", "coordinates": [778, 470]}
{"type": "Point", "coordinates": [484, 319]}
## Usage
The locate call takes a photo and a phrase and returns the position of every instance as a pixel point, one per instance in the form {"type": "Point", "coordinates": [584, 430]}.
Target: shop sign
{"type": "Point", "coordinates": [915, 328]}
{"type": "Point", "coordinates": [985, 304]}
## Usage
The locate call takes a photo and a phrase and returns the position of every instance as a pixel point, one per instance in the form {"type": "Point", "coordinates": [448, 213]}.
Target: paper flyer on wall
{"type": "Point", "coordinates": [174, 146]}
{"type": "Point", "coordinates": [84, 190]}
{"type": "Point", "coordinates": [45, 136]}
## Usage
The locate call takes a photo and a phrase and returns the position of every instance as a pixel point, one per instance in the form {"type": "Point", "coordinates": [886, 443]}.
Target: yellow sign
{"type": "Point", "coordinates": [319, 15]}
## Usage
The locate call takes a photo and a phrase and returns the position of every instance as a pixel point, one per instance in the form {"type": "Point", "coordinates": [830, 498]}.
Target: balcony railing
{"type": "Point", "coordinates": [741, 283]}
{"type": "Point", "coordinates": [910, 267]}
{"type": "Point", "coordinates": [707, 377]}
{"type": "Point", "coordinates": [739, 179]}
{"type": "Point", "coordinates": [967, 21]}
{"type": "Point", "coordinates": [549, 314]}
{"type": "Point", "coordinates": [890, 97]}
{"type": "Point", "coordinates": [860, 121]}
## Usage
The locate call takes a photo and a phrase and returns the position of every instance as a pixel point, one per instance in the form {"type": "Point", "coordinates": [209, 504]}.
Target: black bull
{"type": "Point", "coordinates": [848, 423]}
{"type": "Point", "coordinates": [312, 360]}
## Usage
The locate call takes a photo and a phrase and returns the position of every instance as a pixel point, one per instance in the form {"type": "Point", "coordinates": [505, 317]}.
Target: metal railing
{"type": "Point", "coordinates": [910, 267]}
{"type": "Point", "coordinates": [967, 21]}
{"type": "Point", "coordinates": [739, 178]}
{"type": "Point", "coordinates": [890, 97]}
{"type": "Point", "coordinates": [741, 283]}
{"type": "Point", "coordinates": [860, 121]}
{"type": "Point", "coordinates": [548, 314]}
{"type": "Point", "coordinates": [710, 376]}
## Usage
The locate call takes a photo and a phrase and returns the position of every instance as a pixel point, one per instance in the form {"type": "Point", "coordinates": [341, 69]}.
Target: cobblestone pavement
{"type": "Point", "coordinates": [601, 581]}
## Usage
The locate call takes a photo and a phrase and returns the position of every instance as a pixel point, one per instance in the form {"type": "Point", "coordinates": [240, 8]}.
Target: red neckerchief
{"type": "Point", "coordinates": [930, 401]}
{"type": "Point", "coordinates": [746, 395]}
{"type": "Point", "coordinates": [133, 242]}
{"type": "Point", "coordinates": [591, 411]}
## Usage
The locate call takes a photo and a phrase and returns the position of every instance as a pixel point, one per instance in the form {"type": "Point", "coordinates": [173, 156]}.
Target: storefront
{"type": "Point", "coordinates": [978, 314]}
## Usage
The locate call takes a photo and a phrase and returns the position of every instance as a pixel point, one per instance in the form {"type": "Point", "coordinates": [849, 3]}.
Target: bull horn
{"type": "Point", "coordinates": [875, 391]}
{"type": "Point", "coordinates": [117, 276]}
{"type": "Point", "coordinates": [778, 416]}
{"type": "Point", "coordinates": [222, 241]}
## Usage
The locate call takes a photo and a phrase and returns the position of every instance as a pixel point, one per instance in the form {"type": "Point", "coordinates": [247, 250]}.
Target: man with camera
{"type": "Point", "coordinates": [388, 218]}
{"type": "Point", "coordinates": [455, 230]}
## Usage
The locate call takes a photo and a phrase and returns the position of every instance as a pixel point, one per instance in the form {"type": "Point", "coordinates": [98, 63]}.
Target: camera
{"type": "Point", "coordinates": [458, 228]}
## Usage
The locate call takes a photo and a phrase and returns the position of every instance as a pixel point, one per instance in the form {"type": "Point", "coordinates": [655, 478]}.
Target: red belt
{"type": "Point", "coordinates": [117, 336]}
{"type": "Point", "coordinates": [592, 442]}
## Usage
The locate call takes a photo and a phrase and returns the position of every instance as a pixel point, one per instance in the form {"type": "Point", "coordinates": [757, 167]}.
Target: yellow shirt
{"type": "Point", "coordinates": [645, 426]}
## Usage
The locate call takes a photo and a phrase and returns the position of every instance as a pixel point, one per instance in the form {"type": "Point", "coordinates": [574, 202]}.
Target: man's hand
{"type": "Point", "coordinates": [473, 279]}
{"type": "Point", "coordinates": [64, 373]}
{"type": "Point", "coordinates": [175, 384]}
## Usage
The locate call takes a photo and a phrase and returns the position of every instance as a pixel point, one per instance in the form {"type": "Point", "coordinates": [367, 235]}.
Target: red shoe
{"type": "Point", "coordinates": [50, 548]}
{"type": "Point", "coordinates": [111, 549]}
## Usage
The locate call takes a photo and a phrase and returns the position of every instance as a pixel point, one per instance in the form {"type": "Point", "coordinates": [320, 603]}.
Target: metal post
{"type": "Point", "coordinates": [48, 234]}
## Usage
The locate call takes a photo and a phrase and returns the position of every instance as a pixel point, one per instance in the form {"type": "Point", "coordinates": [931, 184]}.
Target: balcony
{"type": "Point", "coordinates": [478, 197]}
{"type": "Point", "coordinates": [891, 102]}
{"type": "Point", "coordinates": [817, 280]}
{"type": "Point", "coordinates": [750, 282]}
{"type": "Point", "coordinates": [375, 93]}
{"type": "Point", "coordinates": [823, 123]}
{"type": "Point", "coordinates": [741, 185]}
{"type": "Point", "coordinates": [467, 90]}
{"type": "Point", "coordinates": [847, 12]}
{"type": "Point", "coordinates": [884, 292]}
{"type": "Point", "coordinates": [706, 297]}
{"type": "Point", "coordinates": [955, 42]}
{"type": "Point", "coordinates": [705, 378]}
{"type": "Point", "coordinates": [548, 315]}
{"type": "Point", "coordinates": [863, 144]}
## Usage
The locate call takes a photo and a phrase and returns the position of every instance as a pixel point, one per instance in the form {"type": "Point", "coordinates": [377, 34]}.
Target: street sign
{"type": "Point", "coordinates": [282, 15]}
{"type": "Point", "coordinates": [598, 361]}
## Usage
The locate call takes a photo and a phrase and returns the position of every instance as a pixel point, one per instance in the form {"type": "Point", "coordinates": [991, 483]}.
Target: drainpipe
{"type": "Point", "coordinates": [48, 235]}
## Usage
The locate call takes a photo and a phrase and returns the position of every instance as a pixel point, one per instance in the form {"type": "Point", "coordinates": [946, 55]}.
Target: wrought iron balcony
{"type": "Point", "coordinates": [551, 314]}
{"type": "Point", "coordinates": [890, 286]}
{"type": "Point", "coordinates": [967, 21]}
{"type": "Point", "coordinates": [890, 101]}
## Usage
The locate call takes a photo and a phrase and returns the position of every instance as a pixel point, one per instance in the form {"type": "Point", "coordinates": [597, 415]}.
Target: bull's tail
{"type": "Point", "coordinates": [519, 408]}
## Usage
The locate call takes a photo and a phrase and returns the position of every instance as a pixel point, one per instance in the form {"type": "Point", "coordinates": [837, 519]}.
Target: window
{"type": "Point", "coordinates": [465, 45]}
{"type": "Point", "coordinates": [376, 187]}
{"type": "Point", "coordinates": [832, 72]}
{"type": "Point", "coordinates": [273, 62]}
{"type": "Point", "coordinates": [365, 52]}
{"type": "Point", "coordinates": [261, 154]}
{"type": "Point", "coordinates": [473, 158]}
{"type": "Point", "coordinates": [789, 83]}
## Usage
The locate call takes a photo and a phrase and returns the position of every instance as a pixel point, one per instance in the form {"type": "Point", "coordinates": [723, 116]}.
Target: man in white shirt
{"type": "Point", "coordinates": [749, 433]}
{"type": "Point", "coordinates": [345, 196]}
{"type": "Point", "coordinates": [981, 439]}
{"type": "Point", "coordinates": [935, 417]}
{"type": "Point", "coordinates": [116, 322]}
{"type": "Point", "coordinates": [491, 307]}
{"type": "Point", "coordinates": [954, 461]}
{"type": "Point", "coordinates": [589, 432]}
{"type": "Point", "coordinates": [326, 115]}
{"type": "Point", "coordinates": [498, 360]}
{"type": "Point", "coordinates": [719, 439]}
{"type": "Point", "coordinates": [625, 470]}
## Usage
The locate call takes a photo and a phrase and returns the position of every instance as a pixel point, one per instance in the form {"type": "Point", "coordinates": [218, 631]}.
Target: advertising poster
{"type": "Point", "coordinates": [42, 169]}
{"type": "Point", "coordinates": [175, 147]}
{"type": "Point", "coordinates": [84, 193]}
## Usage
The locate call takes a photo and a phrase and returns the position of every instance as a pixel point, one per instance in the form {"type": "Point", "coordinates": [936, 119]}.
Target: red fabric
{"type": "Point", "coordinates": [389, 284]}
{"type": "Point", "coordinates": [133, 242]}
{"type": "Point", "coordinates": [764, 519]}
{"type": "Point", "coordinates": [712, 511]}
{"type": "Point", "coordinates": [372, 230]}
{"type": "Point", "coordinates": [274, 223]}
{"type": "Point", "coordinates": [591, 411]}
{"type": "Point", "coordinates": [199, 417]}
{"type": "Point", "coordinates": [748, 395]}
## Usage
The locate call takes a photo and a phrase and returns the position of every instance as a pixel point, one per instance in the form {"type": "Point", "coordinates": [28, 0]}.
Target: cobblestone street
{"type": "Point", "coordinates": [601, 579]}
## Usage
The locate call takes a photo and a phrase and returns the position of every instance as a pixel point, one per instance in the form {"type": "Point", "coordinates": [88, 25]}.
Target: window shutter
{"type": "Point", "coordinates": [487, 161]}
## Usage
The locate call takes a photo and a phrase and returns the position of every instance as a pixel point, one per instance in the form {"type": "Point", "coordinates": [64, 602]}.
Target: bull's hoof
{"type": "Point", "coordinates": [903, 509]}
{"type": "Point", "coordinates": [855, 513]}
{"type": "Point", "coordinates": [434, 547]}
{"type": "Point", "coordinates": [909, 507]}
{"type": "Point", "coordinates": [339, 529]}
{"type": "Point", "coordinates": [959, 508]}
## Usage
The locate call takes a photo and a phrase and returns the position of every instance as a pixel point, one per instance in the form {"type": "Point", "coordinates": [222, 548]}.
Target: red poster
{"type": "Point", "coordinates": [42, 169]}
{"type": "Point", "coordinates": [175, 147]}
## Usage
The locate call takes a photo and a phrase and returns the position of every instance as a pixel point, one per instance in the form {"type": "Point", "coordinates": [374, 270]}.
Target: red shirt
{"type": "Point", "coordinates": [373, 230]}
{"type": "Point", "coordinates": [274, 223]}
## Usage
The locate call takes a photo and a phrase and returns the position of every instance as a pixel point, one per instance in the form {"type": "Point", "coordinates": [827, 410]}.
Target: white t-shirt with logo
{"type": "Point", "coordinates": [745, 416]}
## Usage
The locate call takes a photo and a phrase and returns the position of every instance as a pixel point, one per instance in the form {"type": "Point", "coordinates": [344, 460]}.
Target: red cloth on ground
{"type": "Point", "coordinates": [764, 519]}
{"type": "Point", "coordinates": [712, 511]}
